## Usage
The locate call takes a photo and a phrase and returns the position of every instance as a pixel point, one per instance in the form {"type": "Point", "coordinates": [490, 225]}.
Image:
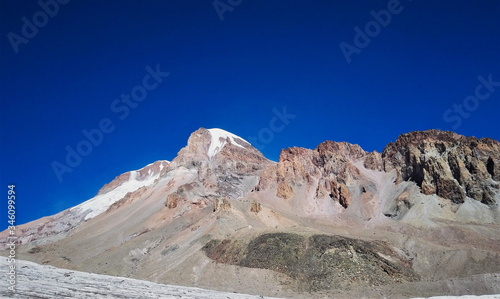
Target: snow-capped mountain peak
{"type": "Point", "coordinates": [220, 138]}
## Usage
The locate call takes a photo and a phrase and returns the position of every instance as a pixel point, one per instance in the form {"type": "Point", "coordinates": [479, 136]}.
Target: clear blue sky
{"type": "Point", "coordinates": [69, 75]}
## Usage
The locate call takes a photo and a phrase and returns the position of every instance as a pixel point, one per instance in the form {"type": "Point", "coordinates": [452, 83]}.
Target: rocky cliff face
{"type": "Point", "coordinates": [328, 169]}
{"type": "Point", "coordinates": [443, 164]}
{"type": "Point", "coordinates": [447, 164]}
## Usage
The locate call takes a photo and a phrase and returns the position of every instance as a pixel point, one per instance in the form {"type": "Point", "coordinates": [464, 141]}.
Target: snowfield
{"type": "Point", "coordinates": [38, 281]}
{"type": "Point", "coordinates": [41, 281]}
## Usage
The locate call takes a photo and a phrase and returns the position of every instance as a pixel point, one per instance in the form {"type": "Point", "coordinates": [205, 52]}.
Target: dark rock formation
{"type": "Point", "coordinates": [317, 262]}
{"type": "Point", "coordinates": [447, 164]}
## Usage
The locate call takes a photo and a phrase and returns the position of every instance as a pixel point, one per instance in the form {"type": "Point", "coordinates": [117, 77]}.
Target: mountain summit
{"type": "Point", "coordinates": [219, 138]}
{"type": "Point", "coordinates": [215, 144]}
{"type": "Point", "coordinates": [331, 219]}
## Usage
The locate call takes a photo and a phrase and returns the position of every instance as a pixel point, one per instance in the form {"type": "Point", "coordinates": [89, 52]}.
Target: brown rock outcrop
{"type": "Point", "coordinates": [374, 161]}
{"type": "Point", "coordinates": [329, 166]}
{"type": "Point", "coordinates": [172, 200]}
{"type": "Point", "coordinates": [447, 164]}
{"type": "Point", "coordinates": [255, 207]}
{"type": "Point", "coordinates": [221, 204]}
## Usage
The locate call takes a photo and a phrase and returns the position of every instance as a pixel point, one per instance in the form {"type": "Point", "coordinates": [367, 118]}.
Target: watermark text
{"type": "Point", "coordinates": [372, 29]}
{"type": "Point", "coordinates": [30, 27]}
{"type": "Point", "coordinates": [11, 239]}
{"type": "Point", "coordinates": [121, 107]}
{"type": "Point", "coordinates": [223, 6]}
{"type": "Point", "coordinates": [277, 124]}
{"type": "Point", "coordinates": [484, 89]}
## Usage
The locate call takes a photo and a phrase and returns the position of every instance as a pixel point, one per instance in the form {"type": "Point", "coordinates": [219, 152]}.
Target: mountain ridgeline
{"type": "Point", "coordinates": [331, 221]}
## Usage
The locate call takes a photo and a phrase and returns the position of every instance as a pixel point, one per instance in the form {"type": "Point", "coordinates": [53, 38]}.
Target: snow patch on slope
{"type": "Point", "coordinates": [100, 203]}
{"type": "Point", "coordinates": [219, 140]}
{"type": "Point", "coordinates": [162, 162]}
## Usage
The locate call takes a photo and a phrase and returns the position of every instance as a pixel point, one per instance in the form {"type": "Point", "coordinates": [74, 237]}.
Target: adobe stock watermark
{"type": "Point", "coordinates": [121, 108]}
{"type": "Point", "coordinates": [277, 124]}
{"type": "Point", "coordinates": [11, 239]}
{"type": "Point", "coordinates": [372, 29]}
{"type": "Point", "coordinates": [222, 6]}
{"type": "Point", "coordinates": [30, 27]}
{"type": "Point", "coordinates": [471, 103]}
